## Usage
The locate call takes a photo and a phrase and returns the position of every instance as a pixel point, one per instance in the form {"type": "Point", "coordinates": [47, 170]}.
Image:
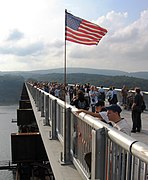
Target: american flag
{"type": "Point", "coordinates": [82, 31]}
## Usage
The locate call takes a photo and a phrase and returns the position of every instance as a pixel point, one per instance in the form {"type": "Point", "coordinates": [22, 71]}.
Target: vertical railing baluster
{"type": "Point", "coordinates": [42, 104]}
{"type": "Point", "coordinates": [65, 159]}
{"type": "Point", "coordinates": [98, 154]}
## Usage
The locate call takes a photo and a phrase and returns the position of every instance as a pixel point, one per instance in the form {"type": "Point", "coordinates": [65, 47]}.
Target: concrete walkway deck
{"type": "Point", "coordinates": [54, 149]}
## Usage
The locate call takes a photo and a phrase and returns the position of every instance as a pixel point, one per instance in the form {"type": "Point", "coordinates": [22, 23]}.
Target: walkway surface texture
{"type": "Point", "coordinates": [143, 135]}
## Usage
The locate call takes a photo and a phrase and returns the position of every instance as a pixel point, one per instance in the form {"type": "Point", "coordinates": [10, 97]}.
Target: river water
{"type": "Point", "coordinates": [7, 113]}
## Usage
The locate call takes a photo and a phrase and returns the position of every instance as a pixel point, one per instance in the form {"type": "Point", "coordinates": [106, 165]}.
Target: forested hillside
{"type": "Point", "coordinates": [95, 79]}
{"type": "Point", "coordinates": [70, 70]}
{"type": "Point", "coordinates": [10, 89]}
{"type": "Point", "coordinates": [11, 85]}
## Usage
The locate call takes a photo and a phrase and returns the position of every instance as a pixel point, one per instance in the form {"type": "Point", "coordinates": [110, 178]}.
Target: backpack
{"type": "Point", "coordinates": [143, 106]}
{"type": "Point", "coordinates": [82, 105]}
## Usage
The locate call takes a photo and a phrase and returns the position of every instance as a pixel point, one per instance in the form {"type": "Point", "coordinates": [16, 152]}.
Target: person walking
{"type": "Point", "coordinates": [114, 98]}
{"type": "Point", "coordinates": [71, 93]}
{"type": "Point", "coordinates": [124, 93]}
{"type": "Point", "coordinates": [109, 94]}
{"type": "Point", "coordinates": [136, 111]}
{"type": "Point", "coordinates": [93, 94]}
{"type": "Point", "coordinates": [102, 94]}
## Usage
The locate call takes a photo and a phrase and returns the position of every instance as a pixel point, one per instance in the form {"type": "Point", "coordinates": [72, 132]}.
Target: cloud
{"type": "Point", "coordinates": [32, 49]}
{"type": "Point", "coordinates": [15, 35]}
{"type": "Point", "coordinates": [16, 44]}
{"type": "Point", "coordinates": [132, 40]}
{"type": "Point", "coordinates": [124, 47]}
{"type": "Point", "coordinates": [113, 20]}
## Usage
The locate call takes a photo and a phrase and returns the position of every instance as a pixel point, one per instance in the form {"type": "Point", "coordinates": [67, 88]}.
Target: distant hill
{"type": "Point", "coordinates": [82, 70]}
{"type": "Point", "coordinates": [143, 75]}
{"type": "Point", "coordinates": [11, 84]}
{"type": "Point", "coordinates": [28, 74]}
{"type": "Point", "coordinates": [95, 79]}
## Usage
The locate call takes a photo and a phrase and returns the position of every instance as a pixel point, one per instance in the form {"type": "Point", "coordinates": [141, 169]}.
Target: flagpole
{"type": "Point", "coordinates": [65, 155]}
{"type": "Point", "coordinates": [65, 73]}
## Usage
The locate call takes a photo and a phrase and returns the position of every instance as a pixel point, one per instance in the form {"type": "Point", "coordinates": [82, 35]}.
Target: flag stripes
{"type": "Point", "coordinates": [82, 31]}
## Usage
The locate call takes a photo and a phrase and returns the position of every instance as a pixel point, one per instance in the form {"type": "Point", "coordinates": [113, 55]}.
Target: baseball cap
{"type": "Point", "coordinates": [114, 108]}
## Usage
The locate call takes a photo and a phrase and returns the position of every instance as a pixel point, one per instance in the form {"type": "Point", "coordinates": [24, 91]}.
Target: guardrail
{"type": "Point", "coordinates": [97, 150]}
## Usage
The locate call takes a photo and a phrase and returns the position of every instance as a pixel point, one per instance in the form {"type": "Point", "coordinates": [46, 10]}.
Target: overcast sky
{"type": "Point", "coordinates": [32, 35]}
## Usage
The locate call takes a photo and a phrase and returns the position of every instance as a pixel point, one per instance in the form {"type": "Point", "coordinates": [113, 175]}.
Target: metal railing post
{"type": "Point", "coordinates": [65, 159]}
{"type": "Point", "coordinates": [46, 109]}
{"type": "Point", "coordinates": [33, 91]}
{"type": "Point", "coordinates": [36, 96]}
{"type": "Point", "coordinates": [128, 168]}
{"type": "Point", "coordinates": [98, 154]}
{"type": "Point", "coordinates": [53, 119]}
{"type": "Point", "coordinates": [42, 104]}
{"type": "Point", "coordinates": [39, 101]}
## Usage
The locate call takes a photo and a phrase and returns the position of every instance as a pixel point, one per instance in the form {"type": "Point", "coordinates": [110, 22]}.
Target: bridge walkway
{"type": "Point", "coordinates": [66, 170]}
{"type": "Point", "coordinates": [54, 148]}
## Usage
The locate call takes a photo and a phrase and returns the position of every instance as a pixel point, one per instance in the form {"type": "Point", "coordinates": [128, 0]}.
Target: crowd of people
{"type": "Point", "coordinates": [93, 103]}
{"type": "Point", "coordinates": [56, 89]}
{"type": "Point", "coordinates": [91, 100]}
{"type": "Point", "coordinates": [108, 114]}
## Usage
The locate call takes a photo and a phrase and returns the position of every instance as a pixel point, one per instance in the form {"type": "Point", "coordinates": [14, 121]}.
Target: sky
{"type": "Point", "coordinates": [32, 35]}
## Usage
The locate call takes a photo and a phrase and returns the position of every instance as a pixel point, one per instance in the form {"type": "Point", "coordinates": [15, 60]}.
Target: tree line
{"type": "Point", "coordinates": [95, 79]}
{"type": "Point", "coordinates": [11, 85]}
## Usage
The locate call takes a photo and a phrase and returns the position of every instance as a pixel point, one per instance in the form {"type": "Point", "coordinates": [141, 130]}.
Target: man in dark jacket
{"type": "Point", "coordinates": [136, 111]}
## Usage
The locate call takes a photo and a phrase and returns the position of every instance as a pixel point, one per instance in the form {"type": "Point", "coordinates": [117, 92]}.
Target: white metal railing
{"type": "Point", "coordinates": [111, 153]}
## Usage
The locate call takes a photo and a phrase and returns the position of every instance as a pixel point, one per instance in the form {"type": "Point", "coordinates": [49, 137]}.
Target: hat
{"type": "Point", "coordinates": [114, 108]}
{"type": "Point", "coordinates": [100, 103]}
